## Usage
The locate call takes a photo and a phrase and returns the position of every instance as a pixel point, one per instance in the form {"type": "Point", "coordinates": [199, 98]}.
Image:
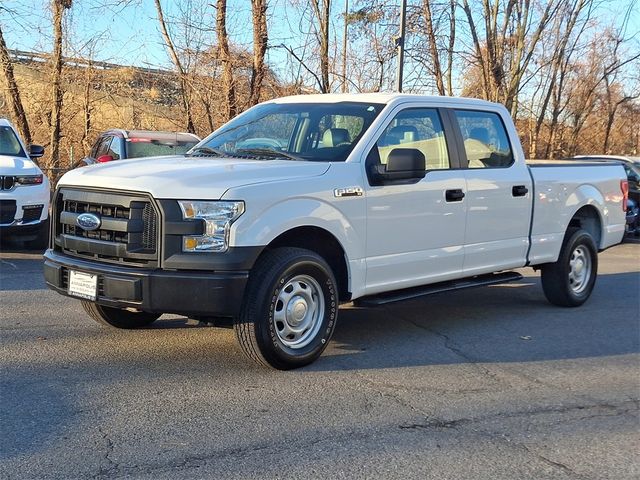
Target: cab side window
{"type": "Point", "coordinates": [418, 128]}
{"type": "Point", "coordinates": [485, 139]}
{"type": "Point", "coordinates": [103, 147]}
{"type": "Point", "coordinates": [115, 149]}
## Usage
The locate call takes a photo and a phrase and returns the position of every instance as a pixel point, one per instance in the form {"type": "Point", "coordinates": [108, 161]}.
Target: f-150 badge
{"type": "Point", "coordinates": [348, 192]}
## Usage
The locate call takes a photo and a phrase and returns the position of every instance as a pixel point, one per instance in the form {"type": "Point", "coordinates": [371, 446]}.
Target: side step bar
{"type": "Point", "coordinates": [450, 286]}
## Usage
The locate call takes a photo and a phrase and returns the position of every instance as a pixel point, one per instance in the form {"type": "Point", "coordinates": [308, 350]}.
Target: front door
{"type": "Point", "coordinates": [415, 231]}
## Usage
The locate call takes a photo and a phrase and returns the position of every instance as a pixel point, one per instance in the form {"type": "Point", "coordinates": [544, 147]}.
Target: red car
{"type": "Point", "coordinates": [119, 144]}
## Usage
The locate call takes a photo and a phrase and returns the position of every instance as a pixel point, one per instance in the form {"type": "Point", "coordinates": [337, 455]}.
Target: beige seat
{"type": "Point", "coordinates": [334, 137]}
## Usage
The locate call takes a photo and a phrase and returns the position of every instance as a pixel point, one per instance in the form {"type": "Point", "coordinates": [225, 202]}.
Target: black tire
{"type": "Point", "coordinates": [118, 318]}
{"type": "Point", "coordinates": [307, 282]}
{"type": "Point", "coordinates": [558, 280]}
{"type": "Point", "coordinates": [41, 242]}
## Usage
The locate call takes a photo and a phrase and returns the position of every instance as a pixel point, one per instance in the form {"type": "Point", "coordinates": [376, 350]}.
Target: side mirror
{"type": "Point", "coordinates": [402, 164]}
{"type": "Point", "coordinates": [104, 159]}
{"type": "Point", "coordinates": [35, 151]}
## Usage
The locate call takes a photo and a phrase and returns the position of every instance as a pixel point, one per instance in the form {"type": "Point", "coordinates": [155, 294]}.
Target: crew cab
{"type": "Point", "coordinates": [24, 190]}
{"type": "Point", "coordinates": [303, 203]}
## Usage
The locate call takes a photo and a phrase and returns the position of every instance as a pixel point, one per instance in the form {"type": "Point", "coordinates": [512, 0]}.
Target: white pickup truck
{"type": "Point", "coordinates": [303, 203]}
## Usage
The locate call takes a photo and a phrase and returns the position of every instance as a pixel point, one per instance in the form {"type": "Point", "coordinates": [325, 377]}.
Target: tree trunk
{"type": "Point", "coordinates": [58, 7]}
{"type": "Point", "coordinates": [260, 39]}
{"type": "Point", "coordinates": [15, 101]}
{"type": "Point", "coordinates": [322, 10]}
{"type": "Point", "coordinates": [228, 82]}
{"type": "Point", "coordinates": [184, 86]}
{"type": "Point", "coordinates": [433, 47]}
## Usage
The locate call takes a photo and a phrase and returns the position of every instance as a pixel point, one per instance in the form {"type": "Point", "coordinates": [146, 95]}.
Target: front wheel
{"type": "Point", "coordinates": [118, 318]}
{"type": "Point", "coordinates": [290, 309]}
{"type": "Point", "coordinates": [570, 281]}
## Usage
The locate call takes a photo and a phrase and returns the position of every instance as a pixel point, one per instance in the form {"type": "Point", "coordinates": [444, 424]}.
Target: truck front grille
{"type": "Point", "coordinates": [128, 231]}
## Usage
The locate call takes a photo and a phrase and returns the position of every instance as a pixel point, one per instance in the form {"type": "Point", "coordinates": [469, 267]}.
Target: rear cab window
{"type": "Point", "coordinates": [485, 139]}
{"type": "Point", "coordinates": [146, 147]}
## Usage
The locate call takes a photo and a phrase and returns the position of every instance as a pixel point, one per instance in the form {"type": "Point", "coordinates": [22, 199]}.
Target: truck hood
{"type": "Point", "coordinates": [10, 165]}
{"type": "Point", "coordinates": [180, 177]}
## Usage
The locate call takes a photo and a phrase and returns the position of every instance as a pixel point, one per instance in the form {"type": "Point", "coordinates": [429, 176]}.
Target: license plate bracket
{"type": "Point", "coordinates": [83, 285]}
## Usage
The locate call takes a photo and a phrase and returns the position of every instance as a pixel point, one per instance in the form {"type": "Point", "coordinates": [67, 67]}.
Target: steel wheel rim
{"type": "Point", "coordinates": [298, 311]}
{"type": "Point", "coordinates": [579, 269]}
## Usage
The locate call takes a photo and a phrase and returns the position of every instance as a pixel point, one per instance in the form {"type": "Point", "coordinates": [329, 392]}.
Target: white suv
{"type": "Point", "coordinates": [24, 190]}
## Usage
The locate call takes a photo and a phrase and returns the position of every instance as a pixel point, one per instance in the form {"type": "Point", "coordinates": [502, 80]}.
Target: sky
{"type": "Point", "coordinates": [126, 31]}
{"type": "Point", "coordinates": [130, 34]}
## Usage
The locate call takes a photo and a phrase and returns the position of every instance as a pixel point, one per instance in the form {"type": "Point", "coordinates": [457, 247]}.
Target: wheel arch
{"type": "Point", "coordinates": [588, 218]}
{"type": "Point", "coordinates": [323, 243]}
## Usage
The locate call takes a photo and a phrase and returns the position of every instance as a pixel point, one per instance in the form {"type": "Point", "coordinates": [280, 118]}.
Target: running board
{"type": "Point", "coordinates": [450, 286]}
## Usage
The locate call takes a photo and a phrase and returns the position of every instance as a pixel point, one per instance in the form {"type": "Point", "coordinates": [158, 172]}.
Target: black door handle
{"type": "Point", "coordinates": [453, 195]}
{"type": "Point", "coordinates": [519, 191]}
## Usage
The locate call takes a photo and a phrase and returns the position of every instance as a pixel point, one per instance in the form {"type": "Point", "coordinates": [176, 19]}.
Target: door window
{"type": "Point", "coordinates": [418, 128]}
{"type": "Point", "coordinates": [115, 150]}
{"type": "Point", "coordinates": [103, 147]}
{"type": "Point", "coordinates": [485, 139]}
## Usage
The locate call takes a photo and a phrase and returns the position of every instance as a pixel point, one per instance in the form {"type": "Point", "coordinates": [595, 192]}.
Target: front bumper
{"type": "Point", "coordinates": [154, 290]}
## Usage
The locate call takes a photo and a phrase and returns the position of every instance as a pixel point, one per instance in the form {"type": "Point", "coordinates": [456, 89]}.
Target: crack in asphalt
{"type": "Point", "coordinates": [112, 466]}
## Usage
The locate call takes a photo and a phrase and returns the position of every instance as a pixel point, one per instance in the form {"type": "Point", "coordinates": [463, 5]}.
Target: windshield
{"type": "Point", "coordinates": [299, 131]}
{"type": "Point", "coordinates": [9, 144]}
{"type": "Point", "coordinates": [156, 148]}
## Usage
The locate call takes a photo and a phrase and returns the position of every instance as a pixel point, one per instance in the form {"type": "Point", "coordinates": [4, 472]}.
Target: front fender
{"type": "Point", "coordinates": [262, 228]}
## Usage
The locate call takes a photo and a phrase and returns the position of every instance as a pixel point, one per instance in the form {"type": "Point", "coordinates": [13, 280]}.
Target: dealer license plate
{"type": "Point", "coordinates": [83, 285]}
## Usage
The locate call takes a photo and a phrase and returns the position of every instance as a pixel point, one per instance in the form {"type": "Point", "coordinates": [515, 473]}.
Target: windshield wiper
{"type": "Point", "coordinates": [210, 151]}
{"type": "Point", "coordinates": [267, 152]}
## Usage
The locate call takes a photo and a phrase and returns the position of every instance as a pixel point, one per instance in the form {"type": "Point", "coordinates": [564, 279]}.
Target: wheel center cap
{"type": "Point", "coordinates": [579, 266]}
{"type": "Point", "coordinates": [297, 310]}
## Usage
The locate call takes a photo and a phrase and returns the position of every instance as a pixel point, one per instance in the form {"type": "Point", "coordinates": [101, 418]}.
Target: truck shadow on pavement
{"type": "Point", "coordinates": [505, 323]}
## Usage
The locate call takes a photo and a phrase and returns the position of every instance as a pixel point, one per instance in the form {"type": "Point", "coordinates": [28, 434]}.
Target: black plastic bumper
{"type": "Point", "coordinates": [154, 290]}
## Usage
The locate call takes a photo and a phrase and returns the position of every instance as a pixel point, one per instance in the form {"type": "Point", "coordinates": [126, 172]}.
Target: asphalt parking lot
{"type": "Point", "coordinates": [490, 383]}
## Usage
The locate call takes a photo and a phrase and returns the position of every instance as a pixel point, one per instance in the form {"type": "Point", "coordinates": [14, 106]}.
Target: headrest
{"type": "Point", "coordinates": [403, 133]}
{"type": "Point", "coordinates": [332, 137]}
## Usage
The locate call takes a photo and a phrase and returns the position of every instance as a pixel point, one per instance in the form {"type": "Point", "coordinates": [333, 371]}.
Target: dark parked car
{"type": "Point", "coordinates": [119, 144]}
{"type": "Point", "coordinates": [632, 168]}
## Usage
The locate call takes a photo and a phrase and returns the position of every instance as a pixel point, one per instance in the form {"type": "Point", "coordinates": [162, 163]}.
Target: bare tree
{"type": "Point", "coordinates": [58, 8]}
{"type": "Point", "coordinates": [322, 13]}
{"type": "Point", "coordinates": [564, 46]}
{"type": "Point", "coordinates": [441, 74]}
{"type": "Point", "coordinates": [511, 34]}
{"type": "Point", "coordinates": [182, 76]}
{"type": "Point", "coordinates": [260, 39]}
{"type": "Point", "coordinates": [228, 81]}
{"type": "Point", "coordinates": [13, 93]}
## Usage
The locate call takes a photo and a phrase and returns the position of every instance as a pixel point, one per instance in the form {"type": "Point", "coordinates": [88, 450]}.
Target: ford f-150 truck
{"type": "Point", "coordinates": [303, 203]}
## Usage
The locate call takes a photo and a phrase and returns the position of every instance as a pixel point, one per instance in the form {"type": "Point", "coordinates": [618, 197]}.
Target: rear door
{"type": "Point", "coordinates": [415, 229]}
{"type": "Point", "coordinates": [499, 193]}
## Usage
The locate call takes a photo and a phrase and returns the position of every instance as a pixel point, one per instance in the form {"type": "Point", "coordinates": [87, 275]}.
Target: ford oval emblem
{"type": "Point", "coordinates": [88, 221]}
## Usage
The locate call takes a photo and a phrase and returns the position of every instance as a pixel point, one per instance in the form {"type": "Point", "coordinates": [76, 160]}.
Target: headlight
{"type": "Point", "coordinates": [29, 180]}
{"type": "Point", "coordinates": [217, 216]}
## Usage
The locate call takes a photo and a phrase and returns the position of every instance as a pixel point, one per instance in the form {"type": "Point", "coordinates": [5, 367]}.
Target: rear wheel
{"type": "Point", "coordinates": [570, 281]}
{"type": "Point", "coordinates": [118, 318]}
{"type": "Point", "coordinates": [290, 309]}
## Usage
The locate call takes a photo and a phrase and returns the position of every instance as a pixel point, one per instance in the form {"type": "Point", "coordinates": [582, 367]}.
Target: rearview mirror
{"type": "Point", "coordinates": [35, 151]}
{"type": "Point", "coordinates": [402, 164]}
